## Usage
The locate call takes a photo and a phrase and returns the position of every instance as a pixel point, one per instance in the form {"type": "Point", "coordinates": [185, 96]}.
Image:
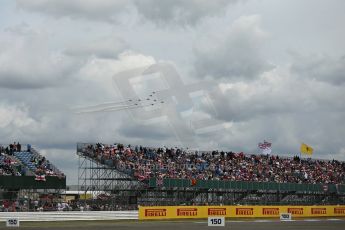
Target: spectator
{"type": "Point", "coordinates": [19, 147]}
{"type": "Point", "coordinates": [144, 163]}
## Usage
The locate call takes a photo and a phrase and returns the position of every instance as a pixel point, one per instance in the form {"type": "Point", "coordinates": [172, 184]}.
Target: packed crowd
{"type": "Point", "coordinates": [144, 163]}
{"type": "Point", "coordinates": [43, 166]}
{"type": "Point", "coordinates": [10, 164]}
{"type": "Point", "coordinates": [9, 167]}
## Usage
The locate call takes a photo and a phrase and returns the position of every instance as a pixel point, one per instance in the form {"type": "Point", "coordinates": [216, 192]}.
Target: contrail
{"type": "Point", "coordinates": [132, 103]}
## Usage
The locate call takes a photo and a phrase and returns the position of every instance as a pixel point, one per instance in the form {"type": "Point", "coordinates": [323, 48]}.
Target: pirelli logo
{"type": "Point", "coordinates": [295, 211]}
{"type": "Point", "coordinates": [217, 211]}
{"type": "Point", "coordinates": [244, 211]}
{"type": "Point", "coordinates": [156, 212]}
{"type": "Point", "coordinates": [187, 212]}
{"type": "Point", "coordinates": [339, 210]}
{"type": "Point", "coordinates": [270, 211]}
{"type": "Point", "coordinates": [318, 211]}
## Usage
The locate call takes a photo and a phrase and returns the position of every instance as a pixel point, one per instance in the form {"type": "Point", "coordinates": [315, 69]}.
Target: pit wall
{"type": "Point", "coordinates": [189, 212]}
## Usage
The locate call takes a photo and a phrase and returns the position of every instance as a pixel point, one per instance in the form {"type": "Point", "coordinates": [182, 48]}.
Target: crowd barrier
{"type": "Point", "coordinates": [184, 212]}
{"type": "Point", "coordinates": [66, 216]}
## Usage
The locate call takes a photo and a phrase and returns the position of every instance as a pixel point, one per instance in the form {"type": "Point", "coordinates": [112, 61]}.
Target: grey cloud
{"type": "Point", "coordinates": [320, 67]}
{"type": "Point", "coordinates": [33, 77]}
{"type": "Point", "coordinates": [237, 105]}
{"type": "Point", "coordinates": [160, 12]}
{"type": "Point", "coordinates": [234, 54]}
{"type": "Point", "coordinates": [273, 95]}
{"type": "Point", "coordinates": [153, 131]}
{"type": "Point", "coordinates": [107, 10]}
{"type": "Point", "coordinates": [20, 29]}
{"type": "Point", "coordinates": [28, 61]}
{"type": "Point", "coordinates": [233, 107]}
{"type": "Point", "coordinates": [181, 11]}
{"type": "Point", "coordinates": [107, 47]}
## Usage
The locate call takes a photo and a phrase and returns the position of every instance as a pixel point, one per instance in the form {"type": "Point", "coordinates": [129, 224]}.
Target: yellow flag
{"type": "Point", "coordinates": [306, 149]}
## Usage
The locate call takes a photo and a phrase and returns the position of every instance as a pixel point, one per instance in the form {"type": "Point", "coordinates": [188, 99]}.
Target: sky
{"type": "Point", "coordinates": [228, 74]}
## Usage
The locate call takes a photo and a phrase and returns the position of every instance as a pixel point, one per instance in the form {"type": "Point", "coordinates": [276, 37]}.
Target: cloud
{"type": "Point", "coordinates": [16, 116]}
{"type": "Point", "coordinates": [159, 12]}
{"type": "Point", "coordinates": [99, 71]}
{"type": "Point", "coordinates": [101, 10]}
{"type": "Point", "coordinates": [274, 94]}
{"type": "Point", "coordinates": [27, 60]}
{"type": "Point", "coordinates": [180, 11]}
{"type": "Point", "coordinates": [16, 121]}
{"type": "Point", "coordinates": [157, 131]}
{"type": "Point", "coordinates": [235, 54]}
{"type": "Point", "coordinates": [108, 47]}
{"type": "Point", "coordinates": [319, 67]}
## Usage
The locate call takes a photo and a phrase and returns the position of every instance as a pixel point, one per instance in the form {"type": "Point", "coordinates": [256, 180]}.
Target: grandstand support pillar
{"type": "Point", "coordinates": [107, 184]}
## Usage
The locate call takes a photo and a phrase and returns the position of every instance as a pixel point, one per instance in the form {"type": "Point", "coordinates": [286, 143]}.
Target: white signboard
{"type": "Point", "coordinates": [216, 221]}
{"type": "Point", "coordinates": [12, 222]}
{"type": "Point", "coordinates": [285, 216]}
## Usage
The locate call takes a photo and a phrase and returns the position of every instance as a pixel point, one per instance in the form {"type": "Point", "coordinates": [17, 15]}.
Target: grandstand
{"type": "Point", "coordinates": [131, 176]}
{"type": "Point", "coordinates": [25, 177]}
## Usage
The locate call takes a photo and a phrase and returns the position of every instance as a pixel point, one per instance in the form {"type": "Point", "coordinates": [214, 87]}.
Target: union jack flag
{"type": "Point", "coordinates": [40, 177]}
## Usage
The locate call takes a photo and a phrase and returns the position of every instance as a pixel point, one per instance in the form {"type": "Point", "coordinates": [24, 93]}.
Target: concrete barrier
{"type": "Point", "coordinates": [74, 215]}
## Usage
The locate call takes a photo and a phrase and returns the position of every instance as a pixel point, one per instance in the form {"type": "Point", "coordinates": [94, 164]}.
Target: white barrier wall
{"type": "Point", "coordinates": [74, 215]}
